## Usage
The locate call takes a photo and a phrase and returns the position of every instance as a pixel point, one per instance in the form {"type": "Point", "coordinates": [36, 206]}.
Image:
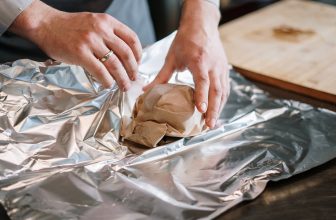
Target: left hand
{"type": "Point", "coordinates": [197, 47]}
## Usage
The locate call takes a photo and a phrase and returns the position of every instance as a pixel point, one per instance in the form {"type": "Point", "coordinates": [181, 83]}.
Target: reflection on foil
{"type": "Point", "coordinates": [61, 158]}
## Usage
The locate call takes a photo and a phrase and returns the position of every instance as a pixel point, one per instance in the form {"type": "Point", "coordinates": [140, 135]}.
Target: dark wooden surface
{"type": "Point", "coordinates": [307, 196]}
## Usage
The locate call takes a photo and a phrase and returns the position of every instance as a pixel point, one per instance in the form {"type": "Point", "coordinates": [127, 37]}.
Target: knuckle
{"type": "Point", "coordinates": [100, 27]}
{"type": "Point", "coordinates": [126, 58]}
{"type": "Point", "coordinates": [100, 22]}
{"type": "Point", "coordinates": [212, 113]}
{"type": "Point", "coordinates": [89, 16]}
{"type": "Point", "coordinates": [124, 83]}
{"type": "Point", "coordinates": [98, 71]}
{"type": "Point", "coordinates": [87, 37]}
{"type": "Point", "coordinates": [203, 77]}
{"type": "Point", "coordinates": [197, 60]}
{"type": "Point", "coordinates": [132, 37]}
{"type": "Point", "coordinates": [80, 59]}
{"type": "Point", "coordinates": [79, 47]}
{"type": "Point", "coordinates": [113, 40]}
{"type": "Point", "coordinates": [114, 63]}
{"type": "Point", "coordinates": [199, 56]}
{"type": "Point", "coordinates": [100, 17]}
{"type": "Point", "coordinates": [133, 41]}
{"type": "Point", "coordinates": [132, 70]}
{"type": "Point", "coordinates": [127, 54]}
{"type": "Point", "coordinates": [217, 90]}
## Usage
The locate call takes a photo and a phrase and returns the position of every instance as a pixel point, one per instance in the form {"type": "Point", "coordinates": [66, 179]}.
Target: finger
{"type": "Point", "coordinates": [125, 55]}
{"type": "Point", "coordinates": [201, 80]}
{"type": "Point", "coordinates": [114, 66]}
{"type": "Point", "coordinates": [215, 96]}
{"type": "Point", "coordinates": [130, 38]}
{"type": "Point", "coordinates": [97, 69]}
{"type": "Point", "coordinates": [223, 99]}
{"type": "Point", "coordinates": [164, 75]}
{"type": "Point", "coordinates": [225, 82]}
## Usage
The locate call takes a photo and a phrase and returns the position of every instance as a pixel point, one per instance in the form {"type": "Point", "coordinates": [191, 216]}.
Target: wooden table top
{"type": "Point", "coordinates": [290, 44]}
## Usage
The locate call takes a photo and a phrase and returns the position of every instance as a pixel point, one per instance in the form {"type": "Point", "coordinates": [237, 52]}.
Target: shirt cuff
{"type": "Point", "coordinates": [9, 10]}
{"type": "Point", "coordinates": [215, 2]}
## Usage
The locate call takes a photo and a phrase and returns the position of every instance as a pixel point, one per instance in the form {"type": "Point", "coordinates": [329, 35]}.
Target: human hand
{"type": "Point", "coordinates": [82, 39]}
{"type": "Point", "coordinates": [197, 47]}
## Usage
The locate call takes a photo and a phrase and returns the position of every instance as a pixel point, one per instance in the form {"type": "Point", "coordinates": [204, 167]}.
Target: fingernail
{"type": "Point", "coordinates": [212, 122]}
{"type": "Point", "coordinates": [134, 76]}
{"type": "Point", "coordinates": [203, 107]}
{"type": "Point", "coordinates": [126, 87]}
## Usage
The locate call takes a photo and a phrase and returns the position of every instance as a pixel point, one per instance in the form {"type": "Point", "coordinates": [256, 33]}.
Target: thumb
{"type": "Point", "coordinates": [164, 75]}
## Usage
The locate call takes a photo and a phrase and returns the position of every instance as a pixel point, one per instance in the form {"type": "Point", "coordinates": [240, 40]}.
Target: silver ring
{"type": "Point", "coordinates": [106, 56]}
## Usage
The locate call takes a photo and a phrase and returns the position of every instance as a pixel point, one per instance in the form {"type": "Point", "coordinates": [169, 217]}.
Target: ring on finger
{"type": "Point", "coordinates": [106, 56]}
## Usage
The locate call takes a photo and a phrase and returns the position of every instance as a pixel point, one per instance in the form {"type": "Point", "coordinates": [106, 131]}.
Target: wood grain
{"type": "Point", "coordinates": [290, 44]}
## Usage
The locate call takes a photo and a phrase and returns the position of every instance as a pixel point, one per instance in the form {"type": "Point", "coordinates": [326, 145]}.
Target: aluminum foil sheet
{"type": "Point", "coordinates": [61, 156]}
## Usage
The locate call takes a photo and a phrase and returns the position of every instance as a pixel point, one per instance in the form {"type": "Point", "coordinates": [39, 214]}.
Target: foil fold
{"type": "Point", "coordinates": [61, 156]}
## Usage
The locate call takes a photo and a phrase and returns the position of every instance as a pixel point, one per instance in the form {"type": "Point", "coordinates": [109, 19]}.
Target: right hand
{"type": "Point", "coordinates": [82, 39]}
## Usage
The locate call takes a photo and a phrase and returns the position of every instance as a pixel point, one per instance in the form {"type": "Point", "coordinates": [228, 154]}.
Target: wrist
{"type": "Point", "coordinates": [31, 22]}
{"type": "Point", "coordinates": [200, 13]}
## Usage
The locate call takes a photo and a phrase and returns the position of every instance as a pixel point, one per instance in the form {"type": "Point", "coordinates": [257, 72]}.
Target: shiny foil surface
{"type": "Point", "coordinates": [61, 156]}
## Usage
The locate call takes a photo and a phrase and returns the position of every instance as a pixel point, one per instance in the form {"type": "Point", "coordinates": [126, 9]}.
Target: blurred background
{"type": "Point", "coordinates": [166, 13]}
{"type": "Point", "coordinates": [165, 16]}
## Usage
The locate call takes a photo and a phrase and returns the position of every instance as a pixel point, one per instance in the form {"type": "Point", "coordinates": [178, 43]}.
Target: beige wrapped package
{"type": "Point", "coordinates": [164, 110]}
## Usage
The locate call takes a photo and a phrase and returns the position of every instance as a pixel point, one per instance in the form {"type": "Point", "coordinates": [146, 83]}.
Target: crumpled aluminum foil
{"type": "Point", "coordinates": [61, 158]}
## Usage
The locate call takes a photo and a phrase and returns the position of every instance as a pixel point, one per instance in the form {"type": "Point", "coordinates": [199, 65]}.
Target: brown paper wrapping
{"type": "Point", "coordinates": [165, 110]}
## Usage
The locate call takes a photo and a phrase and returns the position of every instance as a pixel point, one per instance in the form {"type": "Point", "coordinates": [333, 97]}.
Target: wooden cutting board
{"type": "Point", "coordinates": [290, 44]}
